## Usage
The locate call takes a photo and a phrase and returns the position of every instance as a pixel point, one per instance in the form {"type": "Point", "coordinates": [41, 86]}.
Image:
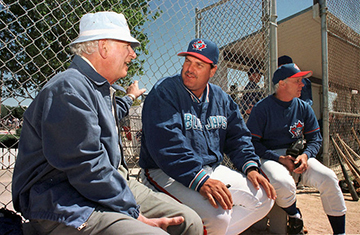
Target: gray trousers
{"type": "Point", "coordinates": [152, 205]}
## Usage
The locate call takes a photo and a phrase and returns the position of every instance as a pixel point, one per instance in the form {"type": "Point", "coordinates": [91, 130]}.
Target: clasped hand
{"type": "Point", "coordinates": [289, 162]}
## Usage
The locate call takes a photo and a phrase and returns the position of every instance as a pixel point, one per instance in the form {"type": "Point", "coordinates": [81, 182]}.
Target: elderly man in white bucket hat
{"type": "Point", "coordinates": [70, 175]}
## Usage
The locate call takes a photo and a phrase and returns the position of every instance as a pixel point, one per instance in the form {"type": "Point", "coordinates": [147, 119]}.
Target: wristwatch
{"type": "Point", "coordinates": [132, 96]}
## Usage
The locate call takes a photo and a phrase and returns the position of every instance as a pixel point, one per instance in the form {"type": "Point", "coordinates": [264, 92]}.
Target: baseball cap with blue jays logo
{"type": "Point", "coordinates": [204, 50]}
{"type": "Point", "coordinates": [289, 71]}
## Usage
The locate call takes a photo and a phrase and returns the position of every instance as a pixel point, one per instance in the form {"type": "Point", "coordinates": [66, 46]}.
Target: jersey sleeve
{"type": "Point", "coordinates": [238, 145]}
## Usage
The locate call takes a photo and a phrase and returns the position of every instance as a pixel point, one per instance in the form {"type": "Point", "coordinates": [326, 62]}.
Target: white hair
{"type": "Point", "coordinates": [276, 86]}
{"type": "Point", "coordinates": [87, 47]}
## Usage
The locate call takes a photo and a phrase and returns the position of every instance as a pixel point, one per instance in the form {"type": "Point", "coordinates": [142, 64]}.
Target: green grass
{"type": "Point", "coordinates": [9, 141]}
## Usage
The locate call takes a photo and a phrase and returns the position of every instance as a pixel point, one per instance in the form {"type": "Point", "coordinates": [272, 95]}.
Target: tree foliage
{"type": "Point", "coordinates": [34, 38]}
{"type": "Point", "coordinates": [12, 112]}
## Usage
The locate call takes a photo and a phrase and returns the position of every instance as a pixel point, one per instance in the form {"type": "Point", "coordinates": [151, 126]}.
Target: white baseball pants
{"type": "Point", "coordinates": [317, 175]}
{"type": "Point", "coordinates": [250, 205]}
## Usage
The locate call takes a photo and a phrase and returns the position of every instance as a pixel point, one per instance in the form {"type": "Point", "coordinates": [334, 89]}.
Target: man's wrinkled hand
{"type": "Point", "coordinates": [257, 179]}
{"type": "Point", "coordinates": [134, 89]}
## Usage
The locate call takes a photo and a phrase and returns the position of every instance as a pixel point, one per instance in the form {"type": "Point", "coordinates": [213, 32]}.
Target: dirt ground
{"type": "Point", "coordinates": [315, 219]}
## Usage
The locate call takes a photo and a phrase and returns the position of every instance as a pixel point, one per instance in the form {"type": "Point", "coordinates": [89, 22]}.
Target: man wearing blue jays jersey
{"type": "Point", "coordinates": [275, 123]}
{"type": "Point", "coordinates": [188, 125]}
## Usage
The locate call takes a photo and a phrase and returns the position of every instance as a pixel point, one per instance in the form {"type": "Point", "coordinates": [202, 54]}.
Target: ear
{"type": "Point", "coordinates": [103, 47]}
{"type": "Point", "coordinates": [212, 71]}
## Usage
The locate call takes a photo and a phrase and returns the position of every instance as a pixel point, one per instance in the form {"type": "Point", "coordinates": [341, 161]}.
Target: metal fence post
{"type": "Point", "coordinates": [273, 45]}
{"type": "Point", "coordinates": [325, 83]}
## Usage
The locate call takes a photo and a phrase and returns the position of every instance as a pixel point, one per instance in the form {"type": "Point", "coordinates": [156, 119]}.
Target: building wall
{"type": "Point", "coordinates": [299, 37]}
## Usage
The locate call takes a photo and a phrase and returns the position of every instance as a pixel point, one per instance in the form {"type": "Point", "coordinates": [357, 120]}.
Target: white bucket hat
{"type": "Point", "coordinates": [104, 25]}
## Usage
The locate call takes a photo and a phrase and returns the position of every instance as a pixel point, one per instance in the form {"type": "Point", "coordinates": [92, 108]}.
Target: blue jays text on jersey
{"type": "Point", "coordinates": [213, 122]}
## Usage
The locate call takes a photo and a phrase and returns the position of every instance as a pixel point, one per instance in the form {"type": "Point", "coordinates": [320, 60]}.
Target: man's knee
{"type": "Point", "coordinates": [284, 185]}
{"type": "Point", "coordinates": [328, 182]}
{"type": "Point", "coordinates": [285, 191]}
{"type": "Point", "coordinates": [216, 222]}
{"type": "Point", "coordinates": [322, 177]}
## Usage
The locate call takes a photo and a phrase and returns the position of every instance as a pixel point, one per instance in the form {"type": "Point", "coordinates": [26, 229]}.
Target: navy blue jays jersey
{"type": "Point", "coordinates": [275, 124]}
{"type": "Point", "coordinates": [182, 133]}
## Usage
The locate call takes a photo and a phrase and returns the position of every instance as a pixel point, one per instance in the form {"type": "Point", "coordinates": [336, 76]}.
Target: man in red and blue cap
{"type": "Point", "coordinates": [278, 124]}
{"type": "Point", "coordinates": [306, 92]}
{"type": "Point", "coordinates": [188, 126]}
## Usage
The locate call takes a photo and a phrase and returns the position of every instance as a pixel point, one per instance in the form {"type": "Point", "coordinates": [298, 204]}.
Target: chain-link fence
{"type": "Point", "coordinates": [243, 42]}
{"type": "Point", "coordinates": [34, 38]}
{"type": "Point", "coordinates": [344, 73]}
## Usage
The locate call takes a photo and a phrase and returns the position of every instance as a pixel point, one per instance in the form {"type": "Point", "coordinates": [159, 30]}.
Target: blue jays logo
{"type": "Point", "coordinates": [296, 129]}
{"type": "Point", "coordinates": [199, 45]}
{"type": "Point", "coordinates": [213, 122]}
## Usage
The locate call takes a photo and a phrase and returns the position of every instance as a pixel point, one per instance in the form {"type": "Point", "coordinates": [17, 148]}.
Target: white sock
{"type": "Point", "coordinates": [297, 215]}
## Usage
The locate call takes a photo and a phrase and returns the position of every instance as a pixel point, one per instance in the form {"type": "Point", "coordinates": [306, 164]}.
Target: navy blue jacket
{"type": "Point", "coordinates": [182, 134]}
{"type": "Point", "coordinates": [69, 151]}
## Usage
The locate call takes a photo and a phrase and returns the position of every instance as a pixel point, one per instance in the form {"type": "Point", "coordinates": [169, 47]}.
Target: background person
{"type": "Point", "coordinates": [66, 178]}
{"type": "Point", "coordinates": [306, 92]}
{"type": "Point", "coordinates": [252, 92]}
{"type": "Point", "coordinates": [278, 121]}
{"type": "Point", "coordinates": [195, 123]}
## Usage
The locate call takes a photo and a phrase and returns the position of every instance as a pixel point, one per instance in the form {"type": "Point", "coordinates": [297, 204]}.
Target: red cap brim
{"type": "Point", "coordinates": [197, 55]}
{"type": "Point", "coordinates": [304, 74]}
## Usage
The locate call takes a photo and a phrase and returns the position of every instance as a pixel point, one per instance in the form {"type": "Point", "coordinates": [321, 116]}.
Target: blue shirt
{"type": "Point", "coordinates": [275, 124]}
